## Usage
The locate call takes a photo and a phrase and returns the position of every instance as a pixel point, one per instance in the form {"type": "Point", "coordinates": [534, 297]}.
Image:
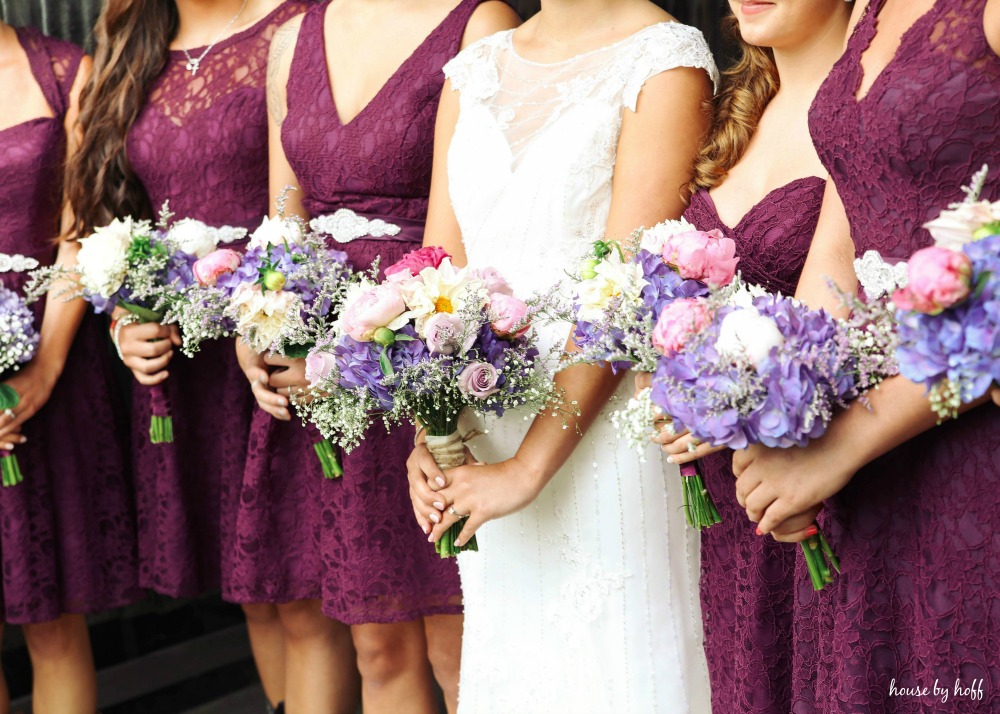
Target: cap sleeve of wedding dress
{"type": "Point", "coordinates": [586, 600]}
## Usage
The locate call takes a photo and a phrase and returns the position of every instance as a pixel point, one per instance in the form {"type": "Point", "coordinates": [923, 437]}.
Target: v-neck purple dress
{"type": "Point", "coordinates": [917, 530]}
{"type": "Point", "coordinates": [201, 143]}
{"type": "Point", "coordinates": [379, 565]}
{"type": "Point", "coordinates": [747, 581]}
{"type": "Point", "coordinates": [67, 534]}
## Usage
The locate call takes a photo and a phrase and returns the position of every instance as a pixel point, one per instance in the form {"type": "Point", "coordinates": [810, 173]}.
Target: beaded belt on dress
{"type": "Point", "coordinates": [344, 226]}
{"type": "Point", "coordinates": [16, 263]}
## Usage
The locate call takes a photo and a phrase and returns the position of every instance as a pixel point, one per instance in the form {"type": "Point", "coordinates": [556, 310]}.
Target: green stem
{"type": "Point", "coordinates": [328, 458]}
{"type": "Point", "coordinates": [11, 470]}
{"type": "Point", "coordinates": [161, 429]}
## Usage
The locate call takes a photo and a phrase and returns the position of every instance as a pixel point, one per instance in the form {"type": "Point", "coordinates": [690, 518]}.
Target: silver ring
{"type": "Point", "coordinates": [693, 446]}
{"type": "Point", "coordinates": [452, 511]}
{"type": "Point", "coordinates": [9, 413]}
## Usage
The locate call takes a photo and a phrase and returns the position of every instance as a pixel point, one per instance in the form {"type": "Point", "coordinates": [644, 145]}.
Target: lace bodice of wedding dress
{"type": "Point", "coordinates": [587, 600]}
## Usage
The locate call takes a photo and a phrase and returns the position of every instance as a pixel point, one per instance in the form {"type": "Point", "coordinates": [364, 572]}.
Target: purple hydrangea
{"type": "Point", "coordinates": [359, 368]}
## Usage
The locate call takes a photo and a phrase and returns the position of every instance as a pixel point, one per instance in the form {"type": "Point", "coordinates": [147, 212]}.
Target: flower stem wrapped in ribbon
{"type": "Point", "coordinates": [282, 297]}
{"type": "Point", "coordinates": [424, 344]}
{"type": "Point", "coordinates": [618, 298]}
{"type": "Point", "coordinates": [740, 370]}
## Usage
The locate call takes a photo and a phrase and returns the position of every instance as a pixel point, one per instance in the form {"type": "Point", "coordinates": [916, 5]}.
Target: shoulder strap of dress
{"type": "Point", "coordinates": [309, 45]}
{"type": "Point", "coordinates": [453, 27]}
{"type": "Point", "coordinates": [54, 65]}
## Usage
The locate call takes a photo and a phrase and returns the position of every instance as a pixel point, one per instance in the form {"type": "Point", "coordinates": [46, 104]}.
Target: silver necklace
{"type": "Point", "coordinates": [194, 63]}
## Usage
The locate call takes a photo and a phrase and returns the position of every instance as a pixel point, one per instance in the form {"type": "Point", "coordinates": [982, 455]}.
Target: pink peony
{"type": "Point", "coordinates": [678, 321]}
{"type": "Point", "coordinates": [318, 366]}
{"type": "Point", "coordinates": [478, 379]}
{"type": "Point", "coordinates": [492, 280]}
{"type": "Point", "coordinates": [372, 309]}
{"type": "Point", "coordinates": [697, 255]}
{"type": "Point", "coordinates": [938, 279]}
{"type": "Point", "coordinates": [509, 316]}
{"type": "Point", "coordinates": [213, 266]}
{"type": "Point", "coordinates": [415, 261]}
{"type": "Point", "coordinates": [446, 334]}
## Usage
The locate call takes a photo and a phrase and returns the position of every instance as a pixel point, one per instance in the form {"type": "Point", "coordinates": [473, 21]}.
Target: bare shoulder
{"type": "Point", "coordinates": [991, 24]}
{"type": "Point", "coordinates": [489, 18]}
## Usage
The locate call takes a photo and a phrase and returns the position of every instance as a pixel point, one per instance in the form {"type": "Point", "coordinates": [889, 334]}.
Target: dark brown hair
{"type": "Point", "coordinates": [747, 88]}
{"type": "Point", "coordinates": [132, 37]}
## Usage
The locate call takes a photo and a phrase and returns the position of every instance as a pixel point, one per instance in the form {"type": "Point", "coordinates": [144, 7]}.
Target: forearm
{"type": "Point", "coordinates": [62, 318]}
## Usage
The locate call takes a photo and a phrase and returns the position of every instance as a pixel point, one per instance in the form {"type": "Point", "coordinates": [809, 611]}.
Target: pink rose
{"type": "Point", "coordinates": [697, 255]}
{"type": "Point", "coordinates": [446, 334]}
{"type": "Point", "coordinates": [478, 379]}
{"type": "Point", "coordinates": [319, 364]}
{"type": "Point", "coordinates": [678, 321]}
{"type": "Point", "coordinates": [938, 279]}
{"type": "Point", "coordinates": [213, 266]}
{"type": "Point", "coordinates": [372, 309]}
{"type": "Point", "coordinates": [492, 281]}
{"type": "Point", "coordinates": [415, 261]}
{"type": "Point", "coordinates": [509, 316]}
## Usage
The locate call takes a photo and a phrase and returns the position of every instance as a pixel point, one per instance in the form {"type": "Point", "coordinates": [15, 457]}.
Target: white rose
{"type": "Point", "coordinates": [101, 259]}
{"type": "Point", "coordinates": [747, 332]}
{"type": "Point", "coordinates": [954, 227]}
{"type": "Point", "coordinates": [613, 280]}
{"type": "Point", "coordinates": [654, 238]}
{"type": "Point", "coordinates": [193, 237]}
{"type": "Point", "coordinates": [276, 231]}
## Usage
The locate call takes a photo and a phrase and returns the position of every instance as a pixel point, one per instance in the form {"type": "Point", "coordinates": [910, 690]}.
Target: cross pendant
{"type": "Point", "coordinates": [193, 66]}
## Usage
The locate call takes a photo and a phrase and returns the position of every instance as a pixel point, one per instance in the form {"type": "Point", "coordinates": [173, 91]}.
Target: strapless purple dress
{"type": "Point", "coordinates": [747, 581]}
{"type": "Point", "coordinates": [201, 143]}
{"type": "Point", "coordinates": [379, 566]}
{"type": "Point", "coordinates": [918, 530]}
{"type": "Point", "coordinates": [67, 534]}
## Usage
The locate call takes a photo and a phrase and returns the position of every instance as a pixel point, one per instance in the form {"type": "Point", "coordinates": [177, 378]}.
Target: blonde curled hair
{"type": "Point", "coordinates": [748, 86]}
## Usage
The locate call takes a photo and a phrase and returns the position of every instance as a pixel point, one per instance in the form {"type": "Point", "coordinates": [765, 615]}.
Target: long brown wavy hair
{"type": "Point", "coordinates": [748, 86]}
{"type": "Point", "coordinates": [132, 37]}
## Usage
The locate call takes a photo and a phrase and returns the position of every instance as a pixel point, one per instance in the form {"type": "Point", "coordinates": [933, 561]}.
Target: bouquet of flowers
{"type": "Point", "coordinates": [618, 299]}
{"type": "Point", "coordinates": [131, 264]}
{"type": "Point", "coordinates": [18, 343]}
{"type": "Point", "coordinates": [764, 369]}
{"type": "Point", "coordinates": [427, 342]}
{"type": "Point", "coordinates": [948, 309]}
{"type": "Point", "coordinates": [282, 295]}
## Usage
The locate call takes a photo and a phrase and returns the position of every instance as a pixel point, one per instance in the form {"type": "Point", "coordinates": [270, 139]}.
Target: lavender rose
{"type": "Point", "coordinates": [479, 380]}
{"type": "Point", "coordinates": [446, 334]}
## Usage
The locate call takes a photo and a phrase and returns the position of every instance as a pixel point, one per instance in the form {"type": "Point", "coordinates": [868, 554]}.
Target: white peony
{"type": "Point", "coordinates": [955, 226]}
{"type": "Point", "coordinates": [614, 280]}
{"type": "Point", "coordinates": [743, 293]}
{"type": "Point", "coordinates": [193, 237]}
{"type": "Point", "coordinates": [747, 332]}
{"type": "Point", "coordinates": [262, 317]}
{"type": "Point", "coordinates": [101, 260]}
{"type": "Point", "coordinates": [654, 238]}
{"type": "Point", "coordinates": [441, 289]}
{"type": "Point", "coordinates": [276, 231]}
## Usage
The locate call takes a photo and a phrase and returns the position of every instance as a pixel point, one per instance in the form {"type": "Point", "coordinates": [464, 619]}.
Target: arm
{"type": "Point", "coordinates": [991, 24]}
{"type": "Point", "coordinates": [643, 193]}
{"type": "Point", "coordinates": [61, 320]}
{"type": "Point", "coordinates": [831, 256]}
{"type": "Point", "coordinates": [263, 382]}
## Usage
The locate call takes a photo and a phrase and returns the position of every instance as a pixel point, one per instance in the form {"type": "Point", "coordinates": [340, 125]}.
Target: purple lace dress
{"type": "Point", "coordinates": [201, 142]}
{"type": "Point", "coordinates": [746, 580]}
{"type": "Point", "coordinates": [918, 530]}
{"type": "Point", "coordinates": [379, 565]}
{"type": "Point", "coordinates": [67, 535]}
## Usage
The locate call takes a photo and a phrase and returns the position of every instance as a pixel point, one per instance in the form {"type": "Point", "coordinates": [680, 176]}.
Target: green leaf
{"type": "Point", "coordinates": [404, 338]}
{"type": "Point", "coordinates": [981, 281]}
{"type": "Point", "coordinates": [297, 351]}
{"type": "Point", "coordinates": [385, 365]}
{"type": "Point", "coordinates": [8, 397]}
{"type": "Point", "coordinates": [144, 314]}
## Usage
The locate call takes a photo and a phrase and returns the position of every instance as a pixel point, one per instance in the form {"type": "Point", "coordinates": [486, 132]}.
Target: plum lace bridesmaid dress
{"type": "Point", "coordinates": [586, 600]}
{"type": "Point", "coordinates": [747, 581]}
{"type": "Point", "coordinates": [379, 566]}
{"type": "Point", "coordinates": [201, 143]}
{"type": "Point", "coordinates": [917, 530]}
{"type": "Point", "coordinates": [67, 533]}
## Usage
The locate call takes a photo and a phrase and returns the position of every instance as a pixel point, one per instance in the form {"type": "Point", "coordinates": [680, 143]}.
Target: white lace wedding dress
{"type": "Point", "coordinates": [586, 601]}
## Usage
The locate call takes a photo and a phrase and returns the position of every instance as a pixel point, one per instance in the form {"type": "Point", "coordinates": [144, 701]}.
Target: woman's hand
{"type": "Point", "coordinates": [479, 493]}
{"type": "Point", "coordinates": [777, 487]}
{"type": "Point", "coordinates": [425, 478]}
{"type": "Point", "coordinates": [257, 373]}
{"type": "Point", "coordinates": [12, 438]}
{"type": "Point", "coordinates": [288, 376]}
{"type": "Point", "coordinates": [34, 385]}
{"type": "Point", "coordinates": [147, 349]}
{"type": "Point", "coordinates": [681, 447]}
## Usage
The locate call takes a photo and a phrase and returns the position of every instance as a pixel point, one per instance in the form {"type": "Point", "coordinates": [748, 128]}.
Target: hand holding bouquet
{"type": "Point", "coordinates": [617, 300]}
{"type": "Point", "coordinates": [18, 344]}
{"type": "Point", "coordinates": [425, 343]}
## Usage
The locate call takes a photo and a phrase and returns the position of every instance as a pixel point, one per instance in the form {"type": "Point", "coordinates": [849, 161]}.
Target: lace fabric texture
{"type": "Point", "coordinates": [378, 567]}
{"type": "Point", "coordinates": [201, 142]}
{"type": "Point", "coordinates": [67, 536]}
{"type": "Point", "coordinates": [603, 568]}
{"type": "Point", "coordinates": [915, 529]}
{"type": "Point", "coordinates": [747, 582]}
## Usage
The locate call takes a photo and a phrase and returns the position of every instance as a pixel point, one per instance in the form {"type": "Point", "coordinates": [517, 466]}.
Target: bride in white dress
{"type": "Point", "coordinates": [583, 597]}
